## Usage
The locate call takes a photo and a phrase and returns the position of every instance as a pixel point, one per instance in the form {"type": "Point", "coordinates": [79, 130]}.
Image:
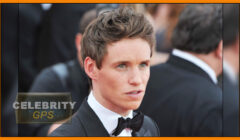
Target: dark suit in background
{"type": "Point", "coordinates": [57, 37]}
{"type": "Point", "coordinates": [29, 21]}
{"type": "Point", "coordinates": [9, 69]}
{"type": "Point", "coordinates": [230, 107]}
{"type": "Point", "coordinates": [230, 74]}
{"type": "Point", "coordinates": [183, 100]}
{"type": "Point", "coordinates": [62, 77]}
{"type": "Point", "coordinates": [86, 123]}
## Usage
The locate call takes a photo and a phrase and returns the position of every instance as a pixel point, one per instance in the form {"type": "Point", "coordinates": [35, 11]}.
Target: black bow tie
{"type": "Point", "coordinates": [135, 124]}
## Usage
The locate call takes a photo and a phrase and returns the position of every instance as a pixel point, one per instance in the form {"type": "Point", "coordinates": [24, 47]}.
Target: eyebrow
{"type": "Point", "coordinates": [147, 61]}
{"type": "Point", "coordinates": [125, 62]}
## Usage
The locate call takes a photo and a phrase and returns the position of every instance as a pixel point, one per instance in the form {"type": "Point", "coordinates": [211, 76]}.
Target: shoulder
{"type": "Point", "coordinates": [166, 75]}
{"type": "Point", "coordinates": [47, 73]}
{"type": "Point", "coordinates": [149, 124]}
{"type": "Point", "coordinates": [47, 81]}
{"type": "Point", "coordinates": [73, 128]}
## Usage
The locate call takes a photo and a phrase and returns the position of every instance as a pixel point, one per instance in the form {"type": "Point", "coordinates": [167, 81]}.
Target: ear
{"type": "Point", "coordinates": [218, 51]}
{"type": "Point", "coordinates": [90, 68]}
{"type": "Point", "coordinates": [78, 40]}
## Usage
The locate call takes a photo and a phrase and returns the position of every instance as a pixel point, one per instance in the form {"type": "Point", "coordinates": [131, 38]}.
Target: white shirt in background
{"type": "Point", "coordinates": [193, 59]}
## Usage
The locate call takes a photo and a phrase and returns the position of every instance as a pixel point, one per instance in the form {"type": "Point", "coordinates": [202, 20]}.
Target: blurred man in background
{"type": "Point", "coordinates": [182, 94]}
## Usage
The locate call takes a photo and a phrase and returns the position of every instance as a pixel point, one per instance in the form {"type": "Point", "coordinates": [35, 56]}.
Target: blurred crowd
{"type": "Point", "coordinates": [41, 52]}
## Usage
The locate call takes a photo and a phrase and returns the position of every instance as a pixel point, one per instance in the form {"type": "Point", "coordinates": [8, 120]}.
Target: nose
{"type": "Point", "coordinates": [135, 77]}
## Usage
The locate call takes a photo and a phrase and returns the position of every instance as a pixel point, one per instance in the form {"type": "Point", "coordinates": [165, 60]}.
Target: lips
{"type": "Point", "coordinates": [135, 94]}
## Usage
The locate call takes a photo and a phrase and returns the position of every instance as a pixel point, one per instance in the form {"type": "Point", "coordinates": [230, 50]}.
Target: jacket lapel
{"type": "Point", "coordinates": [94, 127]}
{"type": "Point", "coordinates": [142, 132]}
{"type": "Point", "coordinates": [91, 123]}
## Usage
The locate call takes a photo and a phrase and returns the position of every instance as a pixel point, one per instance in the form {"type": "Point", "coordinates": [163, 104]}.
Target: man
{"type": "Point", "coordinates": [116, 51]}
{"type": "Point", "coordinates": [183, 92]}
{"type": "Point", "coordinates": [230, 70]}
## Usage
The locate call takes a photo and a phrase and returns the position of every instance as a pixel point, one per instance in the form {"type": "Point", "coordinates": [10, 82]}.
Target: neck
{"type": "Point", "coordinates": [109, 106]}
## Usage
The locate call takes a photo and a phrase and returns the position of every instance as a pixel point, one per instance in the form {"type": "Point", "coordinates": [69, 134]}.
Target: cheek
{"type": "Point", "coordinates": [145, 76]}
{"type": "Point", "coordinates": [110, 80]}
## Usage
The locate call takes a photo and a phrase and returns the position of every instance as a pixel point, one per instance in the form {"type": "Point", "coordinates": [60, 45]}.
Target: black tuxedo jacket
{"type": "Point", "coordinates": [230, 107]}
{"type": "Point", "coordinates": [86, 123]}
{"type": "Point", "coordinates": [183, 100]}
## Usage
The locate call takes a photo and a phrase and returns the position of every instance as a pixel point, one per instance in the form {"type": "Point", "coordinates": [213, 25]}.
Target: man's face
{"type": "Point", "coordinates": [122, 79]}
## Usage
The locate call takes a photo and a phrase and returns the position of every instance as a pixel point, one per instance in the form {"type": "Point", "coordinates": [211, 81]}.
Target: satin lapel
{"type": "Point", "coordinates": [142, 132]}
{"type": "Point", "coordinates": [92, 125]}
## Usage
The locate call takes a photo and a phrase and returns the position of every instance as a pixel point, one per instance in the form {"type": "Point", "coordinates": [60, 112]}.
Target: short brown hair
{"type": "Point", "coordinates": [113, 26]}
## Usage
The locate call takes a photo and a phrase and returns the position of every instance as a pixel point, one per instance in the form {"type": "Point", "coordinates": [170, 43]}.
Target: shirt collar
{"type": "Point", "coordinates": [108, 118]}
{"type": "Point", "coordinates": [228, 70]}
{"type": "Point", "coordinates": [193, 59]}
{"type": "Point", "coordinates": [46, 6]}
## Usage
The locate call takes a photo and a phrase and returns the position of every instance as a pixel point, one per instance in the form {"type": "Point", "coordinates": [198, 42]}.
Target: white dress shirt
{"type": "Point", "coordinates": [193, 59]}
{"type": "Point", "coordinates": [108, 118]}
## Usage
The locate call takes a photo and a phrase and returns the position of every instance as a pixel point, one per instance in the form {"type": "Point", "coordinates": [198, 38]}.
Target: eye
{"type": "Point", "coordinates": [122, 66]}
{"type": "Point", "coordinates": [143, 65]}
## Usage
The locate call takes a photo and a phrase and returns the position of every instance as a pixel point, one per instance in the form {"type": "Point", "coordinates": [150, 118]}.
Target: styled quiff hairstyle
{"type": "Point", "coordinates": [113, 26]}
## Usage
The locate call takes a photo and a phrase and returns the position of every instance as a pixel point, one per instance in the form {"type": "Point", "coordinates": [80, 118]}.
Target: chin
{"type": "Point", "coordinates": [134, 105]}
